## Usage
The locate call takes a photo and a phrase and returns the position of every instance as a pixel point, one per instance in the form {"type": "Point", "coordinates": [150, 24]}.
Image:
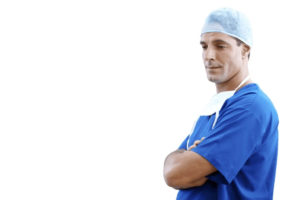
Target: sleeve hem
{"type": "Point", "coordinates": [228, 177]}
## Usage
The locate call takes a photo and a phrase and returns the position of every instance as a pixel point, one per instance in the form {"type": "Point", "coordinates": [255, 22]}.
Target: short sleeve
{"type": "Point", "coordinates": [232, 141]}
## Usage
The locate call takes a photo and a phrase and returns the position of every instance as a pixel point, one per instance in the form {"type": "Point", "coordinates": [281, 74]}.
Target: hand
{"type": "Point", "coordinates": [196, 143]}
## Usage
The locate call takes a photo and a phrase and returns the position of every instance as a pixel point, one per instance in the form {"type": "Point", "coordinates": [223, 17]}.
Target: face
{"type": "Point", "coordinates": [222, 57]}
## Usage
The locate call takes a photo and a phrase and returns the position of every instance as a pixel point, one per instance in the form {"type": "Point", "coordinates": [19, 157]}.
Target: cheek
{"type": "Point", "coordinates": [231, 63]}
{"type": "Point", "coordinates": [224, 60]}
{"type": "Point", "coordinates": [203, 55]}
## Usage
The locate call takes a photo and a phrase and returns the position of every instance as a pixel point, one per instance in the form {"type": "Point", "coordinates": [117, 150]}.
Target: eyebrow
{"type": "Point", "coordinates": [215, 42]}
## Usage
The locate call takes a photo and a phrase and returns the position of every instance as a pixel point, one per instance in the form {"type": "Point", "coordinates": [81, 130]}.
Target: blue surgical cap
{"type": "Point", "coordinates": [230, 22]}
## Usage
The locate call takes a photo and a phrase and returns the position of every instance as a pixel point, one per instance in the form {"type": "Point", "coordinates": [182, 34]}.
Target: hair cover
{"type": "Point", "coordinates": [230, 22]}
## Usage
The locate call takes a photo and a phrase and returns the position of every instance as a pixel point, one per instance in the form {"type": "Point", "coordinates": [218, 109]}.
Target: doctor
{"type": "Point", "coordinates": [232, 150]}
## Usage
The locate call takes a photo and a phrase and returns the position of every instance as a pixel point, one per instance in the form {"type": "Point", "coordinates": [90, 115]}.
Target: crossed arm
{"type": "Point", "coordinates": [185, 169]}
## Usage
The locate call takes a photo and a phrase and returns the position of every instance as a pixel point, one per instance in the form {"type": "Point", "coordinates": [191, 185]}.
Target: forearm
{"type": "Point", "coordinates": [196, 183]}
{"type": "Point", "coordinates": [178, 175]}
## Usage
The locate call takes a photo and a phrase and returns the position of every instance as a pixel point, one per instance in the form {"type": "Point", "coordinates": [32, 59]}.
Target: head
{"type": "Point", "coordinates": [226, 40]}
{"type": "Point", "coordinates": [224, 56]}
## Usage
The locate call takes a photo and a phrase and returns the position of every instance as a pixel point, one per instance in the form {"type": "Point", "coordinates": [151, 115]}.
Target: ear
{"type": "Point", "coordinates": [245, 51]}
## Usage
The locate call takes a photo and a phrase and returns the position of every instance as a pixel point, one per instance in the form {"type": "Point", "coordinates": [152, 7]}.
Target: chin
{"type": "Point", "coordinates": [213, 79]}
{"type": "Point", "coordinates": [216, 79]}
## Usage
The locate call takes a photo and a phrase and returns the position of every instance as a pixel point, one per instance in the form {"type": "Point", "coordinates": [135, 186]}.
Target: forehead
{"type": "Point", "coordinates": [215, 36]}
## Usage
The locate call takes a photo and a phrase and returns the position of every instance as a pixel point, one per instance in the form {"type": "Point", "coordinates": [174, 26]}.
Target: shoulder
{"type": "Point", "coordinates": [251, 108]}
{"type": "Point", "coordinates": [252, 100]}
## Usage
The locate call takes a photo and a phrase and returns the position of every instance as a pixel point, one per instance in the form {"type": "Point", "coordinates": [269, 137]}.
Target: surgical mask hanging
{"type": "Point", "coordinates": [216, 102]}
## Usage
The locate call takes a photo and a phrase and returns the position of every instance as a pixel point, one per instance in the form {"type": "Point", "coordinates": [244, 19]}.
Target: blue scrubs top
{"type": "Point", "coordinates": [242, 147]}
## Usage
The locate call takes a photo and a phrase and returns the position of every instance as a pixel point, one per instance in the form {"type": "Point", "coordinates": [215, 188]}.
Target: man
{"type": "Point", "coordinates": [232, 151]}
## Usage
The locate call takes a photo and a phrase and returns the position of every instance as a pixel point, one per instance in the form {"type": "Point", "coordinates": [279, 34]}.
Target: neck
{"type": "Point", "coordinates": [233, 83]}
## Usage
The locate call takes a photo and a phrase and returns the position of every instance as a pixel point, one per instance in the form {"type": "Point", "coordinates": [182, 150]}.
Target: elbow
{"type": "Point", "coordinates": [171, 180]}
{"type": "Point", "coordinates": [177, 181]}
{"type": "Point", "coordinates": [170, 174]}
{"type": "Point", "coordinates": [179, 175]}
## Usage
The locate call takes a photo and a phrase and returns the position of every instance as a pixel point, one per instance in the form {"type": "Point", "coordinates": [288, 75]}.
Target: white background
{"type": "Point", "coordinates": [95, 94]}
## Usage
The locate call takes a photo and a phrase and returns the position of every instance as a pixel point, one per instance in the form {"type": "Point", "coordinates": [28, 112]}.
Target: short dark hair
{"type": "Point", "coordinates": [239, 43]}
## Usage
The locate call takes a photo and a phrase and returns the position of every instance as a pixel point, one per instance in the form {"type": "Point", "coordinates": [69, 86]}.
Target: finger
{"type": "Point", "coordinates": [197, 142]}
{"type": "Point", "coordinates": [191, 147]}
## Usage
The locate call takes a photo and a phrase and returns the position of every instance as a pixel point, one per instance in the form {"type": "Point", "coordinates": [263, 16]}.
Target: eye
{"type": "Point", "coordinates": [204, 47]}
{"type": "Point", "coordinates": [221, 46]}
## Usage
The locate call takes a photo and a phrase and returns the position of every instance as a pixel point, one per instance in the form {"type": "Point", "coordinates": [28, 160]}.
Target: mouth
{"type": "Point", "coordinates": [212, 68]}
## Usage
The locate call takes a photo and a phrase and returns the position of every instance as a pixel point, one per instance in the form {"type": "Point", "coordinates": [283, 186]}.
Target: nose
{"type": "Point", "coordinates": [209, 54]}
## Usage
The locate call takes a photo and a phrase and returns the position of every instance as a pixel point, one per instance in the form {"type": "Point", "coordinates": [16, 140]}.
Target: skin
{"type": "Point", "coordinates": [226, 62]}
{"type": "Point", "coordinates": [226, 65]}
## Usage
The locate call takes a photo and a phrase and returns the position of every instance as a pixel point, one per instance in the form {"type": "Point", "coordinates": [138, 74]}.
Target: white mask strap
{"type": "Point", "coordinates": [217, 113]}
{"type": "Point", "coordinates": [244, 81]}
